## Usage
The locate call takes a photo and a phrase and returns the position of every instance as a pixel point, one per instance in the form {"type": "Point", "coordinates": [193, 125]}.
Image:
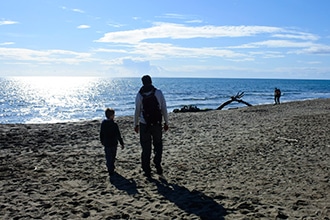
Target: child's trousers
{"type": "Point", "coordinates": [110, 156]}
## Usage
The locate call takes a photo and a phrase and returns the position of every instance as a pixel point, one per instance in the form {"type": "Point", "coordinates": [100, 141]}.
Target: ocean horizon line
{"type": "Point", "coordinates": [158, 77]}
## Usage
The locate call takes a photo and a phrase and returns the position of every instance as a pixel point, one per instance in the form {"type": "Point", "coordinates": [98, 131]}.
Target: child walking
{"type": "Point", "coordinates": [110, 135]}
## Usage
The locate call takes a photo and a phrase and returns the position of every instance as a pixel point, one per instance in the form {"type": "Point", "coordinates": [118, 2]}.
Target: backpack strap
{"type": "Point", "coordinates": [145, 94]}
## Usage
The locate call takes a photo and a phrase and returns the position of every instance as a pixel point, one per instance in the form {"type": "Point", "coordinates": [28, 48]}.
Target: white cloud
{"type": "Point", "coordinates": [131, 42]}
{"type": "Point", "coordinates": [132, 67]}
{"type": "Point", "coordinates": [313, 62]}
{"type": "Point", "coordinates": [74, 9]}
{"type": "Point", "coordinates": [178, 31]}
{"type": "Point", "coordinates": [83, 26]}
{"type": "Point", "coordinates": [188, 18]}
{"type": "Point", "coordinates": [276, 44]}
{"type": "Point", "coordinates": [115, 25]}
{"type": "Point", "coordinates": [268, 54]}
{"type": "Point", "coordinates": [103, 50]}
{"type": "Point", "coordinates": [172, 16]}
{"type": "Point", "coordinates": [194, 21]}
{"type": "Point", "coordinates": [298, 35]}
{"type": "Point", "coordinates": [316, 49]}
{"type": "Point", "coordinates": [8, 22]}
{"type": "Point", "coordinates": [6, 43]}
{"type": "Point", "coordinates": [58, 56]}
{"type": "Point", "coordinates": [157, 51]}
{"type": "Point", "coordinates": [78, 10]}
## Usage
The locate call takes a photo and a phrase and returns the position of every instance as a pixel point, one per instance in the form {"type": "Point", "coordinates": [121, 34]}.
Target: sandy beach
{"type": "Point", "coordinates": [259, 162]}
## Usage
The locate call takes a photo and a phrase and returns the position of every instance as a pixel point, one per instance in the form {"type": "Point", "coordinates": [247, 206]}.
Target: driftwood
{"type": "Point", "coordinates": [194, 108]}
{"type": "Point", "coordinates": [236, 98]}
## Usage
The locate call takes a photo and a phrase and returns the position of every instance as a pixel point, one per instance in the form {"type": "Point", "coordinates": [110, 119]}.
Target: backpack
{"type": "Point", "coordinates": [151, 111]}
{"type": "Point", "coordinates": [278, 92]}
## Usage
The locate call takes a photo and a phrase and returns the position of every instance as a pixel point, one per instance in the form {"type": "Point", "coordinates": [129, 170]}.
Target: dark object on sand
{"type": "Point", "coordinates": [190, 108]}
{"type": "Point", "coordinates": [236, 98]}
{"type": "Point", "coordinates": [194, 108]}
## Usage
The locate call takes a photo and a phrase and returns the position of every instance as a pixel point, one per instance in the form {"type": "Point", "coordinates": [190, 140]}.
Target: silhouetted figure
{"type": "Point", "coordinates": [150, 108]}
{"type": "Point", "coordinates": [277, 96]}
{"type": "Point", "coordinates": [109, 136]}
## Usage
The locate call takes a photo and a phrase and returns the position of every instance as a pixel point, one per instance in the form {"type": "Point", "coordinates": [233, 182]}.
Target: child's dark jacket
{"type": "Point", "coordinates": [110, 134]}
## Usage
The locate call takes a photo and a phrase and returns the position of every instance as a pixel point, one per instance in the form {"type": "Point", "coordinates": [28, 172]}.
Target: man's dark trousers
{"type": "Point", "coordinates": [151, 134]}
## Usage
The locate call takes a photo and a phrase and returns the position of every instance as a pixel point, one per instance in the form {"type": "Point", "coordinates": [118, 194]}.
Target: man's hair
{"type": "Point", "coordinates": [109, 112]}
{"type": "Point", "coordinates": [146, 80]}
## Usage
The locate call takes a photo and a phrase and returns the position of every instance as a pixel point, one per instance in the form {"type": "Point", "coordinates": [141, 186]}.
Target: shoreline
{"type": "Point", "coordinates": [170, 112]}
{"type": "Point", "coordinates": [259, 162]}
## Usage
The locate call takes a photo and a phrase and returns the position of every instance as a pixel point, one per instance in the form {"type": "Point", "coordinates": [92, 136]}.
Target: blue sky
{"type": "Point", "coordinates": [201, 38]}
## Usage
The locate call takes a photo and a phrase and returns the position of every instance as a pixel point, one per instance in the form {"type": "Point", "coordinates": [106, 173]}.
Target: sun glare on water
{"type": "Point", "coordinates": [58, 85]}
{"type": "Point", "coordinates": [54, 85]}
{"type": "Point", "coordinates": [63, 95]}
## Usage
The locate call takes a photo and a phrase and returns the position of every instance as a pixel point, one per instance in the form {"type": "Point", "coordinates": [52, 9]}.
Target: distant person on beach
{"type": "Point", "coordinates": [277, 95]}
{"type": "Point", "coordinates": [150, 108]}
{"type": "Point", "coordinates": [110, 135]}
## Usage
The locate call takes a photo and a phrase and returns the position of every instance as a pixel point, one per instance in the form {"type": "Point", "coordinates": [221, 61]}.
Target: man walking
{"type": "Point", "coordinates": [150, 108]}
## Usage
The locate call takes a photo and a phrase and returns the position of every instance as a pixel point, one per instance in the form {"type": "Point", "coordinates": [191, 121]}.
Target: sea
{"type": "Point", "coordinates": [28, 100]}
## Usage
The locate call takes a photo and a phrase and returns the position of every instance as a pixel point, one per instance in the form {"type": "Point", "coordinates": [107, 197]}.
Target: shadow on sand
{"type": "Point", "coordinates": [193, 202]}
{"type": "Point", "coordinates": [124, 184]}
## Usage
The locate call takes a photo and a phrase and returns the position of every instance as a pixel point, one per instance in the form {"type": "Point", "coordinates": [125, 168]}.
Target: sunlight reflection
{"type": "Point", "coordinates": [54, 99]}
{"type": "Point", "coordinates": [54, 85]}
{"type": "Point", "coordinates": [55, 95]}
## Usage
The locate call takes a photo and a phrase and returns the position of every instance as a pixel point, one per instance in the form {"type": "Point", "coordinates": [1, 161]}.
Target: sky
{"type": "Point", "coordinates": [166, 38]}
